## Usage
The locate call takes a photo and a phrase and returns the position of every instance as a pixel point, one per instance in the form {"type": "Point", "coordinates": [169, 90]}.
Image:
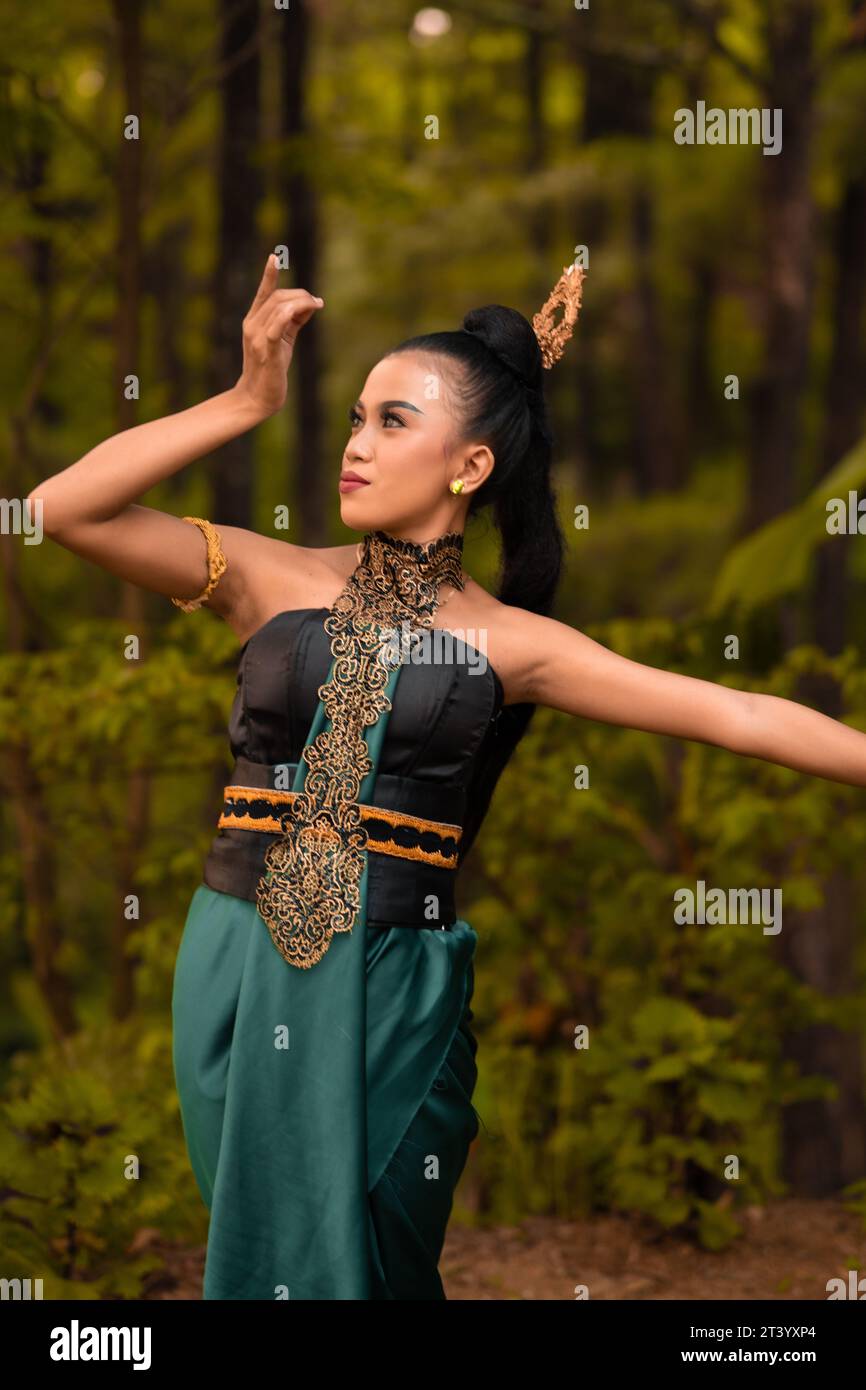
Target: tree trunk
{"type": "Point", "coordinates": [846, 378]}
{"type": "Point", "coordinates": [825, 1141]}
{"type": "Point", "coordinates": [788, 222]}
{"type": "Point", "coordinates": [658, 448]}
{"type": "Point", "coordinates": [618, 101]}
{"type": "Point", "coordinates": [240, 257]}
{"type": "Point", "coordinates": [316, 484]}
{"type": "Point", "coordinates": [127, 362]}
{"type": "Point", "coordinates": [702, 413]}
{"type": "Point", "coordinates": [535, 155]}
{"type": "Point", "coordinates": [165, 285]}
{"type": "Point", "coordinates": [22, 788]}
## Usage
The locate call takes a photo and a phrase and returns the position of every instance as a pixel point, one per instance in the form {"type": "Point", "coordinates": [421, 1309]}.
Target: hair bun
{"type": "Point", "coordinates": [511, 338]}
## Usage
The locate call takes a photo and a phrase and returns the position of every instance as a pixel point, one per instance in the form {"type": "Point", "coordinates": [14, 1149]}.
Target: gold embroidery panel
{"type": "Point", "coordinates": [312, 885]}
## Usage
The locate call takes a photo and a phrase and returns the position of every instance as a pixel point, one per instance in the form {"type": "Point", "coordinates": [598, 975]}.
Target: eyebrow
{"type": "Point", "coordinates": [407, 405]}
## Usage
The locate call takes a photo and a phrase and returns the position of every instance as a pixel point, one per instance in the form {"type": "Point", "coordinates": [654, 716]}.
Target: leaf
{"type": "Point", "coordinates": [667, 1068]}
{"type": "Point", "coordinates": [774, 559]}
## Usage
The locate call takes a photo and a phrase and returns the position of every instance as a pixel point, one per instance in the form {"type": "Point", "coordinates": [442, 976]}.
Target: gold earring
{"type": "Point", "coordinates": [456, 485]}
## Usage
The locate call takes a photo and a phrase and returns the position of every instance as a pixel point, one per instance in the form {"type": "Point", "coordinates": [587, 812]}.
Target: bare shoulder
{"type": "Point", "coordinates": [508, 636]}
{"type": "Point", "coordinates": [265, 576]}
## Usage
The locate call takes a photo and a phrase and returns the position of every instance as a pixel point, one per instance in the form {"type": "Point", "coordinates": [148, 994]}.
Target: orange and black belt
{"type": "Point", "coordinates": [413, 852]}
{"type": "Point", "coordinates": [388, 832]}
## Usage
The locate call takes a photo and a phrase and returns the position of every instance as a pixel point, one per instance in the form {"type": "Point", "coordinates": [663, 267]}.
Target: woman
{"type": "Point", "coordinates": [322, 1044]}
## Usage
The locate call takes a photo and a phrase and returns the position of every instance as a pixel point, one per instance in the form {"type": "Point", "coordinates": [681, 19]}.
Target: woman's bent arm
{"type": "Point", "coordinates": [89, 508]}
{"type": "Point", "coordinates": [127, 465]}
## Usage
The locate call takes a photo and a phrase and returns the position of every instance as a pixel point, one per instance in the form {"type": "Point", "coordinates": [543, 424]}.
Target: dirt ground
{"type": "Point", "coordinates": [789, 1251]}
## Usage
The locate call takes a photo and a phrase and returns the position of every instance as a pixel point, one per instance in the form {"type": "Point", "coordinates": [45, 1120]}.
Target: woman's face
{"type": "Point", "coordinates": [403, 443]}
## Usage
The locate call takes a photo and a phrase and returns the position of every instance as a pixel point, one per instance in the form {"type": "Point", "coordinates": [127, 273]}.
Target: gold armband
{"type": "Point", "coordinates": [216, 564]}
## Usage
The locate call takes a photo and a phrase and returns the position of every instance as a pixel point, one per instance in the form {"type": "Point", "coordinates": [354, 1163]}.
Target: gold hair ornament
{"type": "Point", "coordinates": [552, 337]}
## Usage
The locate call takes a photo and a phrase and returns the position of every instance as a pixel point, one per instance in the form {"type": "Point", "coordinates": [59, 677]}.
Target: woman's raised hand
{"type": "Point", "coordinates": [271, 327]}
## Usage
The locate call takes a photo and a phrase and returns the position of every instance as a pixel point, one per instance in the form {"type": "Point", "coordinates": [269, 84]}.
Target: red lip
{"type": "Point", "coordinates": [350, 481]}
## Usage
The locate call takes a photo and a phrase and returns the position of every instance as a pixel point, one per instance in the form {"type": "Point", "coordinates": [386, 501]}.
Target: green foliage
{"type": "Point", "coordinates": [74, 1112]}
{"type": "Point", "coordinates": [775, 559]}
{"type": "Point", "coordinates": [684, 1066]}
{"type": "Point", "coordinates": [855, 1198]}
{"type": "Point", "coordinates": [571, 892]}
{"type": "Point", "coordinates": [660, 552]}
{"type": "Point", "coordinates": [91, 1157]}
{"type": "Point", "coordinates": [89, 717]}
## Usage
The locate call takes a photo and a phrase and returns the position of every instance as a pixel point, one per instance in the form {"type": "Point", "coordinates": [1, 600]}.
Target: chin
{"type": "Point", "coordinates": [355, 515]}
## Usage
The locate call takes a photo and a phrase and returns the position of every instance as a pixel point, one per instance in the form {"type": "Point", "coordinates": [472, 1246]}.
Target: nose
{"type": "Point", "coordinates": [356, 447]}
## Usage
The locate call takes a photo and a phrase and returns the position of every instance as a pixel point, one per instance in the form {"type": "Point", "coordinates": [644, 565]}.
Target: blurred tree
{"type": "Point", "coordinates": [239, 258]}
{"type": "Point", "coordinates": [314, 482]}
{"type": "Point", "coordinates": [127, 364]}
{"type": "Point", "coordinates": [788, 220]}
{"type": "Point", "coordinates": [30, 155]}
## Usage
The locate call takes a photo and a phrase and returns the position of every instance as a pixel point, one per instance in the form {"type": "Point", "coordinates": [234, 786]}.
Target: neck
{"type": "Point", "coordinates": [413, 570]}
{"type": "Point", "coordinates": [423, 544]}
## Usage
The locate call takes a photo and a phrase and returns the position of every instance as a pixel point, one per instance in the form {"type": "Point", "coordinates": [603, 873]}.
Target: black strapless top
{"type": "Point", "coordinates": [448, 739]}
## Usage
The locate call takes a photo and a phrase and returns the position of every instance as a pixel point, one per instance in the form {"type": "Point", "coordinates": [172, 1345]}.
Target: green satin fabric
{"type": "Point", "coordinates": [327, 1112]}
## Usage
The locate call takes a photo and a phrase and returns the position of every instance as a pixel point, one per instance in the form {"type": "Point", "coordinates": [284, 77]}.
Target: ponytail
{"type": "Point", "coordinates": [500, 391]}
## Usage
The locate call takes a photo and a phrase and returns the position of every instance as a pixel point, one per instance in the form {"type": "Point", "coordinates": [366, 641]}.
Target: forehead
{"type": "Point", "coordinates": [408, 377]}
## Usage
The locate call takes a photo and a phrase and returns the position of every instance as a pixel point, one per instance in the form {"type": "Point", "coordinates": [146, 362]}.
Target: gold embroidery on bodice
{"type": "Point", "coordinates": [312, 884]}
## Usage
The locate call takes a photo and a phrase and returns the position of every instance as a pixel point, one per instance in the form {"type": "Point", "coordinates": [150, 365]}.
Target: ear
{"type": "Point", "coordinates": [477, 465]}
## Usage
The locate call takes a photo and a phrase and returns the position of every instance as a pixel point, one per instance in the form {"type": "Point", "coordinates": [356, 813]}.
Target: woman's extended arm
{"type": "Point", "coordinates": [569, 671]}
{"type": "Point", "coordinates": [89, 507]}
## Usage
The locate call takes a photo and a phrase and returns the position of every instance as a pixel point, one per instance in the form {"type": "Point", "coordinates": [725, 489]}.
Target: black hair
{"type": "Point", "coordinates": [500, 395]}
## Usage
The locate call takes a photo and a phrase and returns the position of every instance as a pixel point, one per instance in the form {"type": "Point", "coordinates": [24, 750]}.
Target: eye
{"type": "Point", "coordinates": [354, 417]}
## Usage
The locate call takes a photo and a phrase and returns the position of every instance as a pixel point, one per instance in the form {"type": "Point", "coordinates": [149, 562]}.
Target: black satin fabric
{"type": "Point", "coordinates": [449, 739]}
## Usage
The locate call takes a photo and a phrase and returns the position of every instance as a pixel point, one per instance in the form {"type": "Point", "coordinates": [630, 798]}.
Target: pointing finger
{"type": "Point", "coordinates": [267, 283]}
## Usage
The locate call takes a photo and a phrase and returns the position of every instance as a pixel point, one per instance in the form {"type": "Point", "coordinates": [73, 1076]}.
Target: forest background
{"type": "Point", "coordinates": [417, 163]}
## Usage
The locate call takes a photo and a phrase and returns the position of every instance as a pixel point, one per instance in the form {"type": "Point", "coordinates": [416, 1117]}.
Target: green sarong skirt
{"type": "Point", "coordinates": [327, 1112]}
